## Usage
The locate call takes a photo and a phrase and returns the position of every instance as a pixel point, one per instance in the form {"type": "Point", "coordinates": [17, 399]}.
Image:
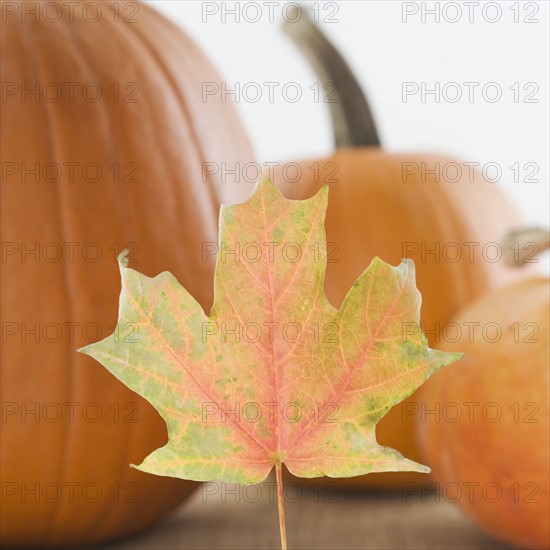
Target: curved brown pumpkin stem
{"type": "Point", "coordinates": [520, 246]}
{"type": "Point", "coordinates": [352, 119]}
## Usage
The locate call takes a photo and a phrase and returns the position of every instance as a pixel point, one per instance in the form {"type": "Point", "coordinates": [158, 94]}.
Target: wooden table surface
{"type": "Point", "coordinates": [217, 518]}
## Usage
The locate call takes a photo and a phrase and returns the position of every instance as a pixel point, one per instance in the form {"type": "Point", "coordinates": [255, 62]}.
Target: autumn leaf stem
{"type": "Point", "coordinates": [281, 504]}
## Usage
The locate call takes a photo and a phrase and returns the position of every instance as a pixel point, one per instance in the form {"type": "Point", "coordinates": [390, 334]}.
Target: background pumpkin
{"type": "Point", "coordinates": [380, 206]}
{"type": "Point", "coordinates": [149, 133]}
{"type": "Point", "coordinates": [503, 443]}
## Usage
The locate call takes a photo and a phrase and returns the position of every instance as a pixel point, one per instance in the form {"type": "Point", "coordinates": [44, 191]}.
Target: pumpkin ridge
{"type": "Point", "coordinates": [144, 43]}
{"type": "Point", "coordinates": [184, 109]}
{"type": "Point", "coordinates": [445, 217]}
{"type": "Point", "coordinates": [61, 223]}
{"type": "Point", "coordinates": [111, 148]}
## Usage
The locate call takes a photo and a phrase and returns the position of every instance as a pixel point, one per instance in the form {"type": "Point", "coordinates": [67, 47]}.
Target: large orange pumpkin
{"type": "Point", "coordinates": [487, 437]}
{"type": "Point", "coordinates": [388, 205]}
{"type": "Point", "coordinates": [104, 135]}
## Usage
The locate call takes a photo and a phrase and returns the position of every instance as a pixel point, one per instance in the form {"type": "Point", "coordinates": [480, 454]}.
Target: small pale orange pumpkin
{"type": "Point", "coordinates": [488, 443]}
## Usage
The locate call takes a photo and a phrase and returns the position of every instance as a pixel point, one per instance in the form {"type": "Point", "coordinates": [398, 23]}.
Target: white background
{"type": "Point", "coordinates": [384, 51]}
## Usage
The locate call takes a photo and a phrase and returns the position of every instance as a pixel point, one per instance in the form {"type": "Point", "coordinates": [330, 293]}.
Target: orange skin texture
{"type": "Point", "coordinates": [373, 210]}
{"type": "Point", "coordinates": [510, 450]}
{"type": "Point", "coordinates": [168, 213]}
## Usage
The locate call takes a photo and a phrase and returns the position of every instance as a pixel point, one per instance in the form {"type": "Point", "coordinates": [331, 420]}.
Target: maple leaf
{"type": "Point", "coordinates": [275, 374]}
